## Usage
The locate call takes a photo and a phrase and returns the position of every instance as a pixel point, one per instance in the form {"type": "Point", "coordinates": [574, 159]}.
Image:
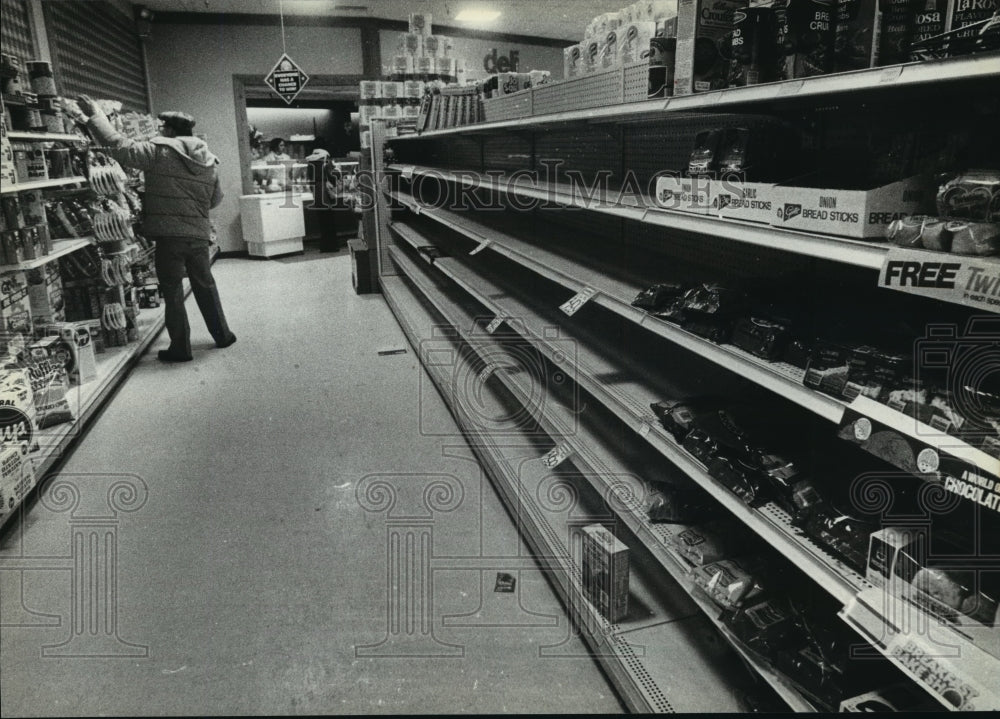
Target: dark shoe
{"type": "Point", "coordinates": [168, 356]}
{"type": "Point", "coordinates": [226, 343]}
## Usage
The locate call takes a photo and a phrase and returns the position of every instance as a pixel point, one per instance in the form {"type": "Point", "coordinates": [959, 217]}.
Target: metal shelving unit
{"type": "Point", "coordinates": [869, 255]}
{"type": "Point", "coordinates": [907, 635]}
{"type": "Point", "coordinates": [894, 77]}
{"type": "Point", "coordinates": [46, 137]}
{"type": "Point", "coordinates": [672, 610]}
{"type": "Point", "coordinates": [617, 295]}
{"type": "Point", "coordinates": [41, 184]}
{"type": "Point", "coordinates": [59, 249]}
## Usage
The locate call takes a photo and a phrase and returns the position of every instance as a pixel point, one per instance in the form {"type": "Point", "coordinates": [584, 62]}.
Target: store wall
{"type": "Point", "coordinates": [475, 51]}
{"type": "Point", "coordinates": [191, 68]}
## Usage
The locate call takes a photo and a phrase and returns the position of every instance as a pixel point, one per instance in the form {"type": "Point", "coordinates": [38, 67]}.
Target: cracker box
{"type": "Point", "coordinates": [420, 23]}
{"type": "Point", "coordinates": [963, 13]}
{"type": "Point", "coordinates": [848, 213]}
{"type": "Point", "coordinates": [15, 312]}
{"type": "Point", "coordinates": [392, 90]}
{"type": "Point", "coordinates": [17, 478]}
{"type": "Point", "coordinates": [572, 61]}
{"type": "Point", "coordinates": [807, 32]}
{"type": "Point", "coordinates": [687, 194]}
{"type": "Point", "coordinates": [76, 337]}
{"type": "Point", "coordinates": [605, 572]}
{"type": "Point", "coordinates": [930, 20]}
{"type": "Point", "coordinates": [894, 556]}
{"type": "Point", "coordinates": [856, 36]}
{"type": "Point", "coordinates": [45, 293]}
{"type": "Point", "coordinates": [411, 44]}
{"type": "Point", "coordinates": [148, 296]}
{"type": "Point", "coordinates": [433, 46]}
{"type": "Point", "coordinates": [896, 26]}
{"type": "Point", "coordinates": [737, 200]}
{"type": "Point", "coordinates": [703, 30]}
{"type": "Point", "coordinates": [371, 90]}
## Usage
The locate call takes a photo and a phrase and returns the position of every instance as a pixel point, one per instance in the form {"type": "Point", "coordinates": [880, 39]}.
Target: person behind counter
{"type": "Point", "coordinates": [277, 151]}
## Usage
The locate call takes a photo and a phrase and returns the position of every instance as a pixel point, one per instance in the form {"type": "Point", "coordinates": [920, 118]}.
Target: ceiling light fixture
{"type": "Point", "coordinates": [477, 15]}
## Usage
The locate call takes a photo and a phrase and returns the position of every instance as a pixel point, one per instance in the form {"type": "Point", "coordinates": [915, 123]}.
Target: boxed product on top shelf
{"type": "Point", "coordinates": [31, 99]}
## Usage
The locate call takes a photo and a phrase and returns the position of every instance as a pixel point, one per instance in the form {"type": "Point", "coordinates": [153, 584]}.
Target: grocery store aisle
{"type": "Point", "coordinates": [260, 493]}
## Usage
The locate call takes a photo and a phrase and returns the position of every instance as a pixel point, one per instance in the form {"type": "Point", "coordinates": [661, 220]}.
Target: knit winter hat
{"type": "Point", "coordinates": [180, 122]}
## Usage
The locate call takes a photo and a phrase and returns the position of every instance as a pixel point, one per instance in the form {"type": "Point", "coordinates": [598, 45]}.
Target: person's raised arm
{"type": "Point", "coordinates": [130, 153]}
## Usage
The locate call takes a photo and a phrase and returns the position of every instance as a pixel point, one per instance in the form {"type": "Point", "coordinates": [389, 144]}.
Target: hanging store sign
{"type": "Point", "coordinates": [286, 79]}
{"type": "Point", "coordinates": [970, 281]}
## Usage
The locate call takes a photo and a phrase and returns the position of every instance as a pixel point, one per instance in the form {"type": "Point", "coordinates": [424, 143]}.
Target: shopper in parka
{"type": "Point", "coordinates": [182, 185]}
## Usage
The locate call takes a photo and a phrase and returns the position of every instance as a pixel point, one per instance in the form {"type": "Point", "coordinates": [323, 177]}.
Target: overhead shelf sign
{"type": "Point", "coordinates": [970, 281]}
{"type": "Point", "coordinates": [286, 79]}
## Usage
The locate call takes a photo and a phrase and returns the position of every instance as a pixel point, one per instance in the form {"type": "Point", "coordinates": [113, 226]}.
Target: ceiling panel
{"type": "Point", "coordinates": [558, 19]}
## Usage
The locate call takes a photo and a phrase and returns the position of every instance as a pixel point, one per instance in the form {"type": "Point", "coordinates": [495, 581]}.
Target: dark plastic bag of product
{"type": "Point", "coordinates": [714, 329]}
{"type": "Point", "coordinates": [709, 542]}
{"type": "Point", "coordinates": [657, 296]}
{"type": "Point", "coordinates": [715, 300]}
{"type": "Point", "coordinates": [430, 253]}
{"type": "Point", "coordinates": [678, 416]}
{"type": "Point", "coordinates": [760, 337]}
{"type": "Point", "coordinates": [676, 506]}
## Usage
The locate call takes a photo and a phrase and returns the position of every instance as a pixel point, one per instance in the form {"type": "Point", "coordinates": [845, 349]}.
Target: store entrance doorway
{"type": "Point", "coordinates": [320, 118]}
{"type": "Point", "coordinates": [326, 98]}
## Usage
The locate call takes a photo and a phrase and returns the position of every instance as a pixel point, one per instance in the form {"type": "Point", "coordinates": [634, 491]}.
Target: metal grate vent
{"type": "Point", "coordinates": [96, 51]}
{"type": "Point", "coordinates": [15, 29]}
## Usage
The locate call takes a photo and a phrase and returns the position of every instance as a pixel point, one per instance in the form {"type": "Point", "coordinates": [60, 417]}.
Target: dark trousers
{"type": "Point", "coordinates": [176, 256]}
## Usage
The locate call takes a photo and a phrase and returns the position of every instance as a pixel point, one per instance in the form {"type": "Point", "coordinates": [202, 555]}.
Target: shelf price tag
{"type": "Point", "coordinates": [890, 74]}
{"type": "Point", "coordinates": [557, 456]}
{"type": "Point", "coordinates": [495, 324]}
{"type": "Point", "coordinates": [481, 246]}
{"type": "Point", "coordinates": [407, 172]}
{"type": "Point", "coordinates": [791, 87]}
{"type": "Point", "coordinates": [486, 372]}
{"type": "Point", "coordinates": [573, 305]}
{"type": "Point", "coordinates": [645, 427]}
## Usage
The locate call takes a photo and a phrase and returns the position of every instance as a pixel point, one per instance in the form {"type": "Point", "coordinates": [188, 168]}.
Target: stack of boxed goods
{"type": "Point", "coordinates": [423, 65]}
{"type": "Point", "coordinates": [619, 38]}
{"type": "Point", "coordinates": [748, 42]}
{"type": "Point", "coordinates": [24, 227]}
{"type": "Point", "coordinates": [644, 32]}
{"type": "Point", "coordinates": [31, 103]}
{"type": "Point", "coordinates": [31, 100]}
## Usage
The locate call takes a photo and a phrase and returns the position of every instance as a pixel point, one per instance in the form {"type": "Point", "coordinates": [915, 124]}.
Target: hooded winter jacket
{"type": "Point", "coordinates": [182, 182]}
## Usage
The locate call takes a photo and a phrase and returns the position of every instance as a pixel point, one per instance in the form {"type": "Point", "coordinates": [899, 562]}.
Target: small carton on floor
{"type": "Point", "coordinates": [858, 213]}
{"type": "Point", "coordinates": [605, 572]}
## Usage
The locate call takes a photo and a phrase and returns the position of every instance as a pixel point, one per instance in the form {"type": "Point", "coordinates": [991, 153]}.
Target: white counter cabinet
{"type": "Point", "coordinates": [273, 224]}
